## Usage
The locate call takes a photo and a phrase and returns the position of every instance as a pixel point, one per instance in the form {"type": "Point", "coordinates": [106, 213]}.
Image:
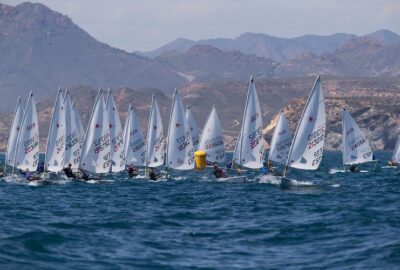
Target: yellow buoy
{"type": "Point", "coordinates": [200, 160]}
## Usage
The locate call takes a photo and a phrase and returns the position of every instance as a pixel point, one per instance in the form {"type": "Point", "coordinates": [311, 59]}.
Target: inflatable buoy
{"type": "Point", "coordinates": [200, 160]}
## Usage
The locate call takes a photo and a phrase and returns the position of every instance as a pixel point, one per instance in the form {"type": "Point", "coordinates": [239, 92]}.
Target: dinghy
{"type": "Point", "coordinates": [27, 146]}
{"type": "Point", "coordinates": [356, 148]}
{"type": "Point", "coordinates": [307, 147]}
{"type": "Point", "coordinates": [96, 153]}
{"type": "Point", "coordinates": [249, 150]}
{"type": "Point", "coordinates": [279, 147]}
{"type": "Point", "coordinates": [135, 148]}
{"type": "Point", "coordinates": [73, 147]}
{"type": "Point", "coordinates": [55, 150]}
{"type": "Point", "coordinates": [12, 137]}
{"type": "Point", "coordinates": [116, 135]}
{"type": "Point", "coordinates": [155, 138]}
{"type": "Point", "coordinates": [395, 161]}
{"type": "Point", "coordinates": [193, 128]}
{"type": "Point", "coordinates": [180, 153]}
{"type": "Point", "coordinates": [212, 140]}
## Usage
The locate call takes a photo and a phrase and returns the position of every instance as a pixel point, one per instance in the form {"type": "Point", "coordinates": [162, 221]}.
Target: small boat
{"type": "Point", "coordinates": [356, 148]}
{"type": "Point", "coordinates": [96, 153]}
{"type": "Point", "coordinates": [307, 147]}
{"type": "Point", "coordinates": [249, 149]}
{"type": "Point", "coordinates": [12, 137]}
{"type": "Point", "coordinates": [27, 144]}
{"type": "Point", "coordinates": [73, 147]}
{"type": "Point", "coordinates": [279, 147]}
{"type": "Point", "coordinates": [180, 153]}
{"type": "Point", "coordinates": [116, 135]}
{"type": "Point", "coordinates": [155, 137]}
{"type": "Point", "coordinates": [55, 149]}
{"type": "Point", "coordinates": [135, 147]}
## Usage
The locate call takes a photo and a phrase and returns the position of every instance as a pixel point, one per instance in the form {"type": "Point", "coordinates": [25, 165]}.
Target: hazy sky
{"type": "Point", "coordinates": [147, 24]}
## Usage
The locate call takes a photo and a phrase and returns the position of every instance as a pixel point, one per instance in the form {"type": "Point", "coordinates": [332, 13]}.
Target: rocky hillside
{"type": "Point", "coordinates": [378, 115]}
{"type": "Point", "coordinates": [372, 101]}
{"type": "Point", "coordinates": [41, 49]}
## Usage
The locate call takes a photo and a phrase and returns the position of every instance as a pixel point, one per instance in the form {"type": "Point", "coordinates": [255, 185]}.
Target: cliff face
{"type": "Point", "coordinates": [378, 116]}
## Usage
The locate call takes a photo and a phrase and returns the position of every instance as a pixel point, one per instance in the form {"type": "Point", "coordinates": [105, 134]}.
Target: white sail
{"type": "Point", "coordinates": [73, 142]}
{"type": "Point", "coordinates": [212, 140]}
{"type": "Point", "coordinates": [356, 147]}
{"type": "Point", "coordinates": [55, 151]}
{"type": "Point", "coordinates": [249, 150]}
{"type": "Point", "coordinates": [308, 142]}
{"type": "Point", "coordinates": [27, 146]}
{"type": "Point", "coordinates": [135, 148]}
{"type": "Point", "coordinates": [180, 154]}
{"type": "Point", "coordinates": [80, 125]}
{"type": "Point", "coordinates": [193, 128]}
{"type": "Point", "coordinates": [155, 137]}
{"type": "Point", "coordinates": [116, 135]}
{"type": "Point", "coordinates": [281, 140]}
{"type": "Point", "coordinates": [12, 137]}
{"type": "Point", "coordinates": [96, 153]}
{"type": "Point", "coordinates": [396, 152]}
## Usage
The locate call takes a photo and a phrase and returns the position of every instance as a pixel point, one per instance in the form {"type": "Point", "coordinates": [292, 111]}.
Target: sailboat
{"type": "Point", "coordinates": [356, 148]}
{"type": "Point", "coordinates": [249, 150]}
{"type": "Point", "coordinates": [96, 153]}
{"type": "Point", "coordinates": [116, 135]}
{"type": "Point", "coordinates": [193, 128]}
{"type": "Point", "coordinates": [307, 146]}
{"type": "Point", "coordinates": [281, 140]}
{"type": "Point", "coordinates": [155, 137]}
{"type": "Point", "coordinates": [135, 148]}
{"type": "Point", "coordinates": [73, 147]}
{"type": "Point", "coordinates": [180, 153]}
{"type": "Point", "coordinates": [55, 150]}
{"type": "Point", "coordinates": [79, 124]}
{"type": "Point", "coordinates": [12, 137]}
{"type": "Point", "coordinates": [27, 145]}
{"type": "Point", "coordinates": [212, 140]}
{"type": "Point", "coordinates": [396, 154]}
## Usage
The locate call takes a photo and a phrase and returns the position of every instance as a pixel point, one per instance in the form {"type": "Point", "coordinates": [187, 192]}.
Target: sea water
{"type": "Point", "coordinates": [341, 221]}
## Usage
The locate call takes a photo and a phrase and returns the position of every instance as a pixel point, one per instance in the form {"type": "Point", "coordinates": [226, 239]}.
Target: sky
{"type": "Point", "coordinates": [134, 25]}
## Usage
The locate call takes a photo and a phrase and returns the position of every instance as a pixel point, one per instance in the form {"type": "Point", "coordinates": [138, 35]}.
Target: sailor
{"type": "Point", "coordinates": [132, 171]}
{"type": "Point", "coordinates": [265, 168]}
{"type": "Point", "coordinates": [68, 171]}
{"type": "Point", "coordinates": [1, 172]}
{"type": "Point", "coordinates": [229, 165]}
{"type": "Point", "coordinates": [29, 176]}
{"type": "Point", "coordinates": [152, 174]}
{"type": "Point", "coordinates": [354, 168]}
{"type": "Point", "coordinates": [392, 163]}
{"type": "Point", "coordinates": [40, 168]}
{"type": "Point", "coordinates": [218, 172]}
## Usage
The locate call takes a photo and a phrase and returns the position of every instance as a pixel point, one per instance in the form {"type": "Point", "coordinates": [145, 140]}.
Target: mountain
{"type": "Point", "coordinates": [207, 63]}
{"type": "Point", "coordinates": [363, 56]}
{"type": "Point", "coordinates": [41, 49]}
{"type": "Point", "coordinates": [262, 45]}
{"type": "Point", "coordinates": [385, 36]}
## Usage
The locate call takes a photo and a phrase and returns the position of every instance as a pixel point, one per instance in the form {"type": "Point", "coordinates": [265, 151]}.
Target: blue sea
{"type": "Point", "coordinates": [345, 221]}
